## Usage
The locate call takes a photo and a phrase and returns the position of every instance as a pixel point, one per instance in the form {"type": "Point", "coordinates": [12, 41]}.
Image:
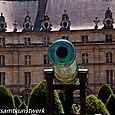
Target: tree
{"type": "Point", "coordinates": [17, 101]}
{"type": "Point", "coordinates": [104, 93]}
{"type": "Point", "coordinates": [95, 106]}
{"type": "Point", "coordinates": [111, 104]}
{"type": "Point", "coordinates": [6, 100]}
{"type": "Point", "coordinates": [38, 98]}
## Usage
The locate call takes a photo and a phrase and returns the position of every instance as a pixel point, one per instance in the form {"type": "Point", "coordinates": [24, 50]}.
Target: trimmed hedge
{"type": "Point", "coordinates": [95, 106]}
{"type": "Point", "coordinates": [104, 93]}
{"type": "Point", "coordinates": [38, 98]}
{"type": "Point", "coordinates": [17, 101]}
{"type": "Point", "coordinates": [110, 105]}
{"type": "Point", "coordinates": [74, 109]}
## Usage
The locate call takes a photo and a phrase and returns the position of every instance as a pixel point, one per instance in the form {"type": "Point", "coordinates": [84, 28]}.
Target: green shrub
{"type": "Point", "coordinates": [58, 107]}
{"type": "Point", "coordinates": [17, 101]}
{"type": "Point", "coordinates": [104, 93]}
{"type": "Point", "coordinates": [95, 106]}
{"type": "Point", "coordinates": [74, 109]}
{"type": "Point", "coordinates": [6, 99]}
{"type": "Point", "coordinates": [22, 109]}
{"type": "Point", "coordinates": [110, 105]}
{"type": "Point", "coordinates": [38, 98]}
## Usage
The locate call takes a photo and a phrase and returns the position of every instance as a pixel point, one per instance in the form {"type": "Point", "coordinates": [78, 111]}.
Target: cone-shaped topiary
{"type": "Point", "coordinates": [6, 100]}
{"type": "Point", "coordinates": [104, 93]}
{"type": "Point", "coordinates": [22, 110]}
{"type": "Point", "coordinates": [74, 109]}
{"type": "Point", "coordinates": [17, 101]}
{"type": "Point", "coordinates": [58, 107]}
{"type": "Point", "coordinates": [110, 105]}
{"type": "Point", "coordinates": [38, 98]}
{"type": "Point", "coordinates": [95, 106]}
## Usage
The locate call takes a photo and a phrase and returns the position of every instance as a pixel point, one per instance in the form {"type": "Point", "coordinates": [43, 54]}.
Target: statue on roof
{"type": "Point", "coordinates": [3, 24]}
{"type": "Point", "coordinates": [108, 13]}
{"type": "Point", "coordinates": [46, 23]}
{"type": "Point", "coordinates": [65, 22]}
{"type": "Point", "coordinates": [15, 26]}
{"type": "Point", "coordinates": [108, 20]}
{"type": "Point", "coordinates": [96, 21]}
{"type": "Point", "coordinates": [27, 25]}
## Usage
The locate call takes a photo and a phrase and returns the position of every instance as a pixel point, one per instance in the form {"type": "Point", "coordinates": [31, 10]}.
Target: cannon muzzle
{"type": "Point", "coordinates": [63, 57]}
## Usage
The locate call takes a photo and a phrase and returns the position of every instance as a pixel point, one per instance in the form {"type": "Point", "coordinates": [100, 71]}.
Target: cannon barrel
{"type": "Point", "coordinates": [62, 54]}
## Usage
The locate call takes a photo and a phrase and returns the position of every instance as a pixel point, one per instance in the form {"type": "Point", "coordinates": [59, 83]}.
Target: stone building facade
{"type": "Point", "coordinates": [23, 57]}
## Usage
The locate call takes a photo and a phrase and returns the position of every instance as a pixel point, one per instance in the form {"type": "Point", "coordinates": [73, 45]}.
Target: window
{"type": "Point", "coordinates": [2, 41]}
{"type": "Point", "coordinates": [27, 78]}
{"type": "Point", "coordinates": [46, 59]}
{"type": "Point", "coordinates": [109, 76]}
{"type": "Point", "coordinates": [2, 78]}
{"type": "Point", "coordinates": [27, 41]}
{"type": "Point", "coordinates": [27, 59]}
{"type": "Point", "coordinates": [84, 39]}
{"type": "Point", "coordinates": [109, 57]}
{"type": "Point", "coordinates": [108, 38]}
{"type": "Point", "coordinates": [46, 41]}
{"type": "Point", "coordinates": [2, 60]}
{"type": "Point", "coordinates": [84, 58]}
{"type": "Point", "coordinates": [65, 37]}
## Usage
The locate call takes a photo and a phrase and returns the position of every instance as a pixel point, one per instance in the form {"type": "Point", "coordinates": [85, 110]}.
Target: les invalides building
{"type": "Point", "coordinates": [23, 54]}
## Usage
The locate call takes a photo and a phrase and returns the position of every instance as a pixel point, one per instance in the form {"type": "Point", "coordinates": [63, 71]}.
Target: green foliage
{"type": "Point", "coordinates": [23, 109]}
{"type": "Point", "coordinates": [95, 106]}
{"type": "Point", "coordinates": [6, 99]}
{"type": "Point", "coordinates": [104, 93]}
{"type": "Point", "coordinates": [58, 107]}
{"type": "Point", "coordinates": [17, 101]}
{"type": "Point", "coordinates": [38, 98]}
{"type": "Point", "coordinates": [111, 104]}
{"type": "Point", "coordinates": [73, 109]}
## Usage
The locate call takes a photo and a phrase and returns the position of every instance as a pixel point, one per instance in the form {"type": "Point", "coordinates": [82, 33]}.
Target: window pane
{"type": "Point", "coordinates": [84, 39]}
{"type": "Point", "coordinates": [27, 59]}
{"type": "Point", "coordinates": [2, 41]}
{"type": "Point", "coordinates": [27, 41]}
{"type": "Point", "coordinates": [2, 60]}
{"type": "Point", "coordinates": [109, 75]}
{"type": "Point", "coordinates": [109, 57]}
{"type": "Point", "coordinates": [2, 78]}
{"type": "Point", "coordinates": [85, 58]}
{"type": "Point", "coordinates": [108, 38]}
{"type": "Point", "coordinates": [65, 37]}
{"type": "Point", "coordinates": [46, 59]}
{"type": "Point", "coordinates": [27, 78]}
{"type": "Point", "coordinates": [46, 41]}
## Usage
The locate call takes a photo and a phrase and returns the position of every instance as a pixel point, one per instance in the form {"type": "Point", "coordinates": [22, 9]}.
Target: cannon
{"type": "Point", "coordinates": [62, 54]}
